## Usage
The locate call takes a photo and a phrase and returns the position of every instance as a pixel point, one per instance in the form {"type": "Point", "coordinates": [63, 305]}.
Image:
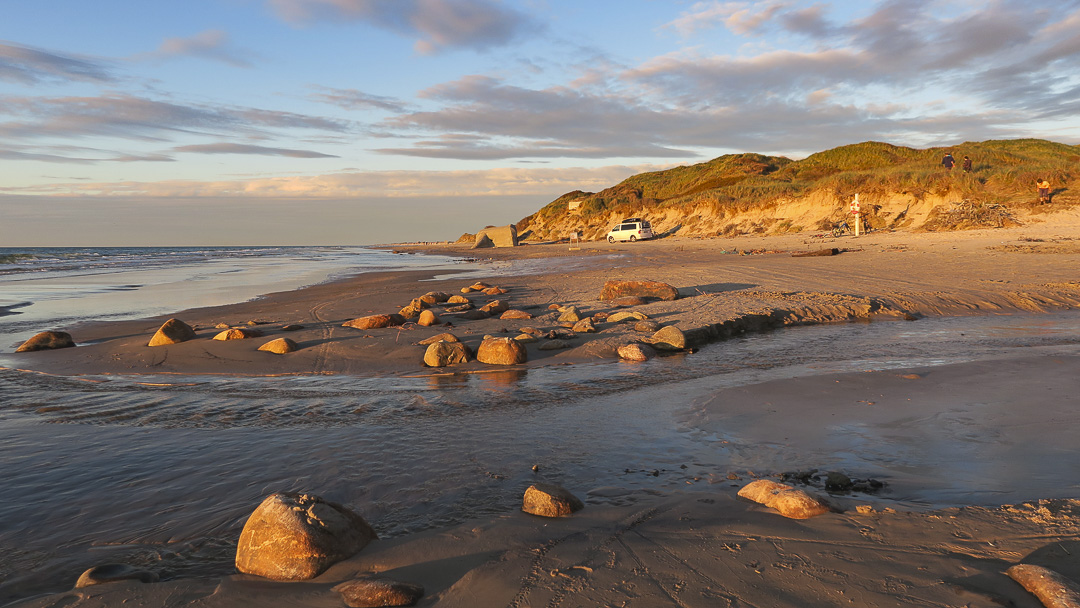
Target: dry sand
{"type": "Point", "coordinates": [705, 547]}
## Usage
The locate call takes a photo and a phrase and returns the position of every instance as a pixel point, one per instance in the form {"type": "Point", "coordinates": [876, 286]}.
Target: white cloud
{"type": "Point", "coordinates": [438, 24]}
{"type": "Point", "coordinates": [27, 65]}
{"type": "Point", "coordinates": [209, 44]}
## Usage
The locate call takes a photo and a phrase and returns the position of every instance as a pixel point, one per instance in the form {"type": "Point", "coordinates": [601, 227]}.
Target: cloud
{"type": "Point", "coordinates": [141, 119]}
{"type": "Point", "coordinates": [437, 24]}
{"type": "Point", "coordinates": [541, 182]}
{"type": "Point", "coordinates": [352, 99]}
{"type": "Point", "coordinates": [28, 65]}
{"type": "Point", "coordinates": [742, 18]}
{"type": "Point", "coordinates": [209, 44]}
{"type": "Point", "coordinates": [228, 148]}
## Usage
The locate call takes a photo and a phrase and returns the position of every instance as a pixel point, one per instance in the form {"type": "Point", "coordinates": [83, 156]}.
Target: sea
{"type": "Point", "coordinates": [162, 472]}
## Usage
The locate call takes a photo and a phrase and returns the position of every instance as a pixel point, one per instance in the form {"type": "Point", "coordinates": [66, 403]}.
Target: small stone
{"type": "Point", "coordinates": [375, 321]}
{"type": "Point", "coordinates": [584, 326]}
{"type": "Point", "coordinates": [496, 307]}
{"type": "Point", "coordinates": [864, 509]}
{"type": "Point", "coordinates": [375, 592]}
{"type": "Point", "coordinates": [292, 327]}
{"type": "Point", "coordinates": [647, 326]}
{"type": "Point", "coordinates": [427, 319]}
{"type": "Point", "coordinates": [47, 340]}
{"type": "Point", "coordinates": [493, 291]}
{"type": "Point", "coordinates": [409, 312]}
{"type": "Point", "coordinates": [636, 352]}
{"type": "Point", "coordinates": [221, 326]}
{"type": "Point", "coordinates": [626, 315]}
{"type": "Point", "coordinates": [513, 314]}
{"type": "Point", "coordinates": [615, 290]}
{"type": "Point", "coordinates": [280, 346]}
{"type": "Point", "coordinates": [526, 338]}
{"type": "Point", "coordinates": [668, 338]}
{"type": "Point", "coordinates": [443, 337]}
{"type": "Point", "coordinates": [234, 334]}
{"type": "Point", "coordinates": [107, 573]}
{"type": "Point", "coordinates": [555, 344]}
{"type": "Point", "coordinates": [457, 300]}
{"type": "Point", "coordinates": [550, 500]}
{"type": "Point", "coordinates": [570, 315]}
{"type": "Point", "coordinates": [789, 501]}
{"type": "Point", "coordinates": [475, 315]}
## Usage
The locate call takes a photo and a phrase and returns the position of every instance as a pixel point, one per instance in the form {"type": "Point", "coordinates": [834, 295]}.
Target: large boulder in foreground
{"type": "Point", "coordinates": [47, 340]}
{"type": "Point", "coordinates": [790, 502]}
{"type": "Point", "coordinates": [501, 351]}
{"type": "Point", "coordinates": [614, 290]}
{"type": "Point", "coordinates": [295, 537]}
{"type": "Point", "coordinates": [172, 331]}
{"type": "Point", "coordinates": [550, 500]}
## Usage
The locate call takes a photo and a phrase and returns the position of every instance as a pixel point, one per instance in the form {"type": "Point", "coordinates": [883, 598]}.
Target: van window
{"type": "Point", "coordinates": [628, 226]}
{"type": "Point", "coordinates": [646, 225]}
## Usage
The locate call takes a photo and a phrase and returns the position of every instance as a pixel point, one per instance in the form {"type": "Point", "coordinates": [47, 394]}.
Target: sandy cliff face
{"type": "Point", "coordinates": [819, 210]}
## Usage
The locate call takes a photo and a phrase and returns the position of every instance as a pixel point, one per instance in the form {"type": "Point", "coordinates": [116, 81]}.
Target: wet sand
{"type": "Point", "coordinates": [1003, 419]}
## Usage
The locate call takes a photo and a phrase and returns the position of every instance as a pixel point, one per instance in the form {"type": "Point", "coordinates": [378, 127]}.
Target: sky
{"type": "Point", "coordinates": [236, 122]}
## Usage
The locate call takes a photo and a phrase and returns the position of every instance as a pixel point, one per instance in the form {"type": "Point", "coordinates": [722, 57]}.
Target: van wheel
{"type": "Point", "coordinates": [632, 238]}
{"type": "Point", "coordinates": [611, 239]}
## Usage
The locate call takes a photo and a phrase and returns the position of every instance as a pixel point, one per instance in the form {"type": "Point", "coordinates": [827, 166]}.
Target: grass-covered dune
{"type": "Point", "coordinates": [898, 188]}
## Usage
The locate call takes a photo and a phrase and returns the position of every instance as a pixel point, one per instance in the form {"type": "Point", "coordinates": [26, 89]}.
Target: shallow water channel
{"type": "Point", "coordinates": [163, 471]}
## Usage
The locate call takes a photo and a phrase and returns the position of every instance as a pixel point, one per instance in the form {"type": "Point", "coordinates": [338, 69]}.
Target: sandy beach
{"type": "Point", "coordinates": [947, 438]}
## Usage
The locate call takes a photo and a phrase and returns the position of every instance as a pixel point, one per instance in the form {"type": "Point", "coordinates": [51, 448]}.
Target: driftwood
{"type": "Point", "coordinates": [819, 252]}
{"type": "Point", "coordinates": [1052, 589]}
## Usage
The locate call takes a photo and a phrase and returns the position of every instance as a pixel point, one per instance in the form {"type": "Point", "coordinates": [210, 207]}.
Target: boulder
{"type": "Point", "coordinates": [172, 331]}
{"type": "Point", "coordinates": [222, 326]}
{"type": "Point", "coordinates": [236, 334]}
{"type": "Point", "coordinates": [410, 312]}
{"type": "Point", "coordinates": [294, 537]}
{"type": "Point", "coordinates": [647, 326]}
{"type": "Point", "coordinates": [550, 500]}
{"type": "Point", "coordinates": [790, 502]}
{"type": "Point", "coordinates": [444, 337]}
{"type": "Point", "coordinates": [475, 315]}
{"type": "Point", "coordinates": [569, 314]}
{"type": "Point", "coordinates": [459, 308]}
{"type": "Point", "coordinates": [107, 573]}
{"type": "Point", "coordinates": [515, 314]}
{"type": "Point", "coordinates": [280, 346]}
{"type": "Point", "coordinates": [427, 319]}
{"type": "Point", "coordinates": [457, 300]}
{"type": "Point", "coordinates": [584, 326]}
{"type": "Point", "coordinates": [374, 321]}
{"type": "Point", "coordinates": [441, 354]}
{"type": "Point", "coordinates": [501, 351]}
{"type": "Point", "coordinates": [530, 330]}
{"type": "Point", "coordinates": [496, 307]}
{"type": "Point", "coordinates": [627, 315]}
{"type": "Point", "coordinates": [373, 592]}
{"type": "Point", "coordinates": [636, 352]}
{"type": "Point", "coordinates": [526, 338]}
{"type": "Point", "coordinates": [613, 290]}
{"type": "Point", "coordinates": [668, 338]}
{"type": "Point", "coordinates": [493, 291]}
{"type": "Point", "coordinates": [479, 286]}
{"type": "Point", "coordinates": [432, 298]}
{"type": "Point", "coordinates": [47, 340]}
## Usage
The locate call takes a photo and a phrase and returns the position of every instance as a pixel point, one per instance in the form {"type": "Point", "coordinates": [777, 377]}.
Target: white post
{"type": "Point", "coordinates": [855, 211]}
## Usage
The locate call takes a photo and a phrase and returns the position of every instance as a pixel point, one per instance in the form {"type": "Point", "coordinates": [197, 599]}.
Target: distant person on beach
{"type": "Point", "coordinates": [966, 165]}
{"type": "Point", "coordinates": [948, 162]}
{"type": "Point", "coordinates": [1044, 191]}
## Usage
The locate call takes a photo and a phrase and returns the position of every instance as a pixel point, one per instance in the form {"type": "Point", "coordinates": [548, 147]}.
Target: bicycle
{"type": "Point", "coordinates": [841, 228]}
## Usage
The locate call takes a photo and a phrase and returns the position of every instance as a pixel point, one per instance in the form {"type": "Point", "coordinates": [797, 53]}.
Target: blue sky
{"type": "Point", "coordinates": [330, 108]}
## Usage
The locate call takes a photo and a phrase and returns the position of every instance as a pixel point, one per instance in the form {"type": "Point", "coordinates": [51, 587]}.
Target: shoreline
{"type": "Point", "coordinates": [700, 546]}
{"type": "Point", "coordinates": [727, 287]}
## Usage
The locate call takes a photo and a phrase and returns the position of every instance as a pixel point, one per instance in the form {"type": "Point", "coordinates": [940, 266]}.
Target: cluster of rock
{"type": "Point", "coordinates": [296, 537]}
{"type": "Point", "coordinates": [567, 322]}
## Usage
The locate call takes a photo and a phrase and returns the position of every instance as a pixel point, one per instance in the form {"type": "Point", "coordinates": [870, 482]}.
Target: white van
{"type": "Point", "coordinates": [630, 229]}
